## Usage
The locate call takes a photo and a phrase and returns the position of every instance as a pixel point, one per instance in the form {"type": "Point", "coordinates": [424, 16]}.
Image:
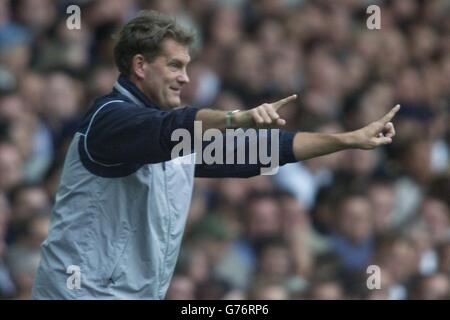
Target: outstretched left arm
{"type": "Point", "coordinates": [309, 145]}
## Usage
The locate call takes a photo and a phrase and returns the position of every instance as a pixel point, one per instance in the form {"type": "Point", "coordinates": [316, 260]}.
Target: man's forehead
{"type": "Point", "coordinates": [172, 49]}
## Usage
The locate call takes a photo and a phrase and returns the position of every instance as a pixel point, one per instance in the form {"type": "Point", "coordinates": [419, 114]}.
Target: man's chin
{"type": "Point", "coordinates": [174, 103]}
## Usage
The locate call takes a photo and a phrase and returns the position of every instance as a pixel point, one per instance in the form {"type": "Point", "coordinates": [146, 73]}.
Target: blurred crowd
{"type": "Point", "coordinates": [309, 232]}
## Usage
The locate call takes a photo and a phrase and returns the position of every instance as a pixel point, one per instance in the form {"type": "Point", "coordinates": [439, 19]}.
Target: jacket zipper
{"type": "Point", "coordinates": [169, 226]}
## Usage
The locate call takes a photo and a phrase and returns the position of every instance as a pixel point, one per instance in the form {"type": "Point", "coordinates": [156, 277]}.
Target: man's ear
{"type": "Point", "coordinates": [138, 66]}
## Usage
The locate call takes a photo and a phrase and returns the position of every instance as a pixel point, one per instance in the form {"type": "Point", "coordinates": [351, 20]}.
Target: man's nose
{"type": "Point", "coordinates": [183, 78]}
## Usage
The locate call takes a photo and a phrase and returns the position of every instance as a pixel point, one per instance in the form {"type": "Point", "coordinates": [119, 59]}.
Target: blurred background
{"type": "Point", "coordinates": [309, 232]}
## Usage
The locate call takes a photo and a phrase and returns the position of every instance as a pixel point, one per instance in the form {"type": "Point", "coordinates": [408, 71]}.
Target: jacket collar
{"type": "Point", "coordinates": [132, 92]}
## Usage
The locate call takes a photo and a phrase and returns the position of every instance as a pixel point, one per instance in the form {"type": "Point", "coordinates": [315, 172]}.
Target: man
{"type": "Point", "coordinates": [122, 203]}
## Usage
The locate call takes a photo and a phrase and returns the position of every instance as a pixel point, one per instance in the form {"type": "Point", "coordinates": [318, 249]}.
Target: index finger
{"type": "Point", "coordinates": [388, 116]}
{"type": "Point", "coordinates": [278, 104]}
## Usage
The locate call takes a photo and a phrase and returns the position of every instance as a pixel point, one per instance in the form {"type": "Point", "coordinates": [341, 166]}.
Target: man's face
{"type": "Point", "coordinates": [166, 74]}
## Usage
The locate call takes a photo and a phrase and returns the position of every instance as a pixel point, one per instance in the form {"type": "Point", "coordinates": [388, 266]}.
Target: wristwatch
{"type": "Point", "coordinates": [229, 118]}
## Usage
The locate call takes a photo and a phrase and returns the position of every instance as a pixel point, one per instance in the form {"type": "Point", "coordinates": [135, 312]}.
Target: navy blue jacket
{"type": "Point", "coordinates": [119, 137]}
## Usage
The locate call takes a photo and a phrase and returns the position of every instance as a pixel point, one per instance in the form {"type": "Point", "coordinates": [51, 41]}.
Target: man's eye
{"type": "Point", "coordinates": [174, 65]}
